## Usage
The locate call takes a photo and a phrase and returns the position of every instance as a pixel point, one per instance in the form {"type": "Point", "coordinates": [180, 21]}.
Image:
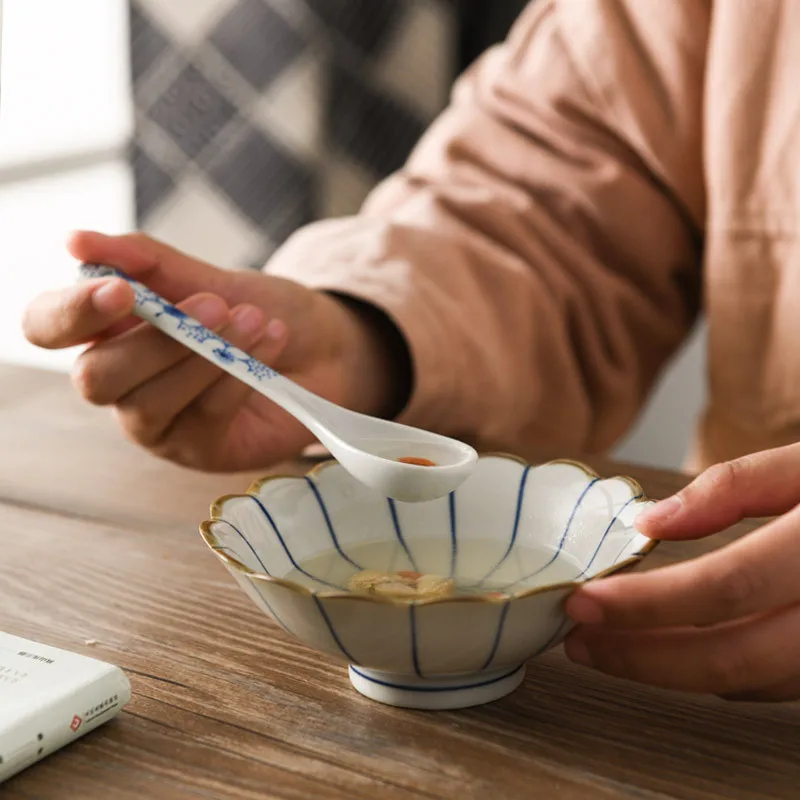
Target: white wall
{"type": "Point", "coordinates": [662, 435]}
{"type": "Point", "coordinates": [35, 218]}
{"type": "Point", "coordinates": [64, 121]}
{"type": "Point", "coordinates": [65, 117]}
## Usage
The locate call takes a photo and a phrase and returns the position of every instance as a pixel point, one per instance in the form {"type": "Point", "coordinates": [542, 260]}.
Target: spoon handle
{"type": "Point", "coordinates": [305, 406]}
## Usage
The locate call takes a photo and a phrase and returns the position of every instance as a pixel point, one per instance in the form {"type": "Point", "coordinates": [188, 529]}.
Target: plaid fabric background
{"type": "Point", "coordinates": [254, 117]}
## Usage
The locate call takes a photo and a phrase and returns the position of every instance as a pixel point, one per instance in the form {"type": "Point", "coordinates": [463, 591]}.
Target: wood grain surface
{"type": "Point", "coordinates": [100, 542]}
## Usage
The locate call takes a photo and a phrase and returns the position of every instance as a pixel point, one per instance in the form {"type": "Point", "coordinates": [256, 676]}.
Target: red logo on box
{"type": "Point", "coordinates": [76, 723]}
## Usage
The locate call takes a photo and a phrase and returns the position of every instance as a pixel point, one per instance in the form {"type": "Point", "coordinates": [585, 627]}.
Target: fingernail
{"type": "Point", "coordinates": [577, 651]}
{"type": "Point", "coordinates": [660, 512]}
{"type": "Point", "coordinates": [248, 320]}
{"type": "Point", "coordinates": [109, 298]}
{"type": "Point", "coordinates": [211, 311]}
{"type": "Point", "coordinates": [584, 610]}
{"type": "Point", "coordinates": [276, 329]}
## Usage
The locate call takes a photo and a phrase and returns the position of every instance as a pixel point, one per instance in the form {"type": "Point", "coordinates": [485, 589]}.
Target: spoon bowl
{"type": "Point", "coordinates": [367, 447]}
{"type": "Point", "coordinates": [374, 462]}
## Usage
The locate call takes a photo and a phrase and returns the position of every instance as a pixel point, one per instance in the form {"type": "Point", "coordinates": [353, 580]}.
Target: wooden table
{"type": "Point", "coordinates": [100, 543]}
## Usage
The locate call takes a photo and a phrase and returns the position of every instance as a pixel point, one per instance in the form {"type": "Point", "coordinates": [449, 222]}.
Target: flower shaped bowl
{"type": "Point", "coordinates": [516, 539]}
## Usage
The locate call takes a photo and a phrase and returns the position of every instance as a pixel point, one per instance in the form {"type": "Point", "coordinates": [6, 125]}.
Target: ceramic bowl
{"type": "Point", "coordinates": [516, 538]}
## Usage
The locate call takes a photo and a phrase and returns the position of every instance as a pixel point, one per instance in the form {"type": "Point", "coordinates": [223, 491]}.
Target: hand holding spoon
{"type": "Point", "coordinates": [367, 447]}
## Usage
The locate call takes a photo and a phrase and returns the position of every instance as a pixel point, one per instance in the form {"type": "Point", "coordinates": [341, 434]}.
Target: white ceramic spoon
{"type": "Point", "coordinates": [368, 448]}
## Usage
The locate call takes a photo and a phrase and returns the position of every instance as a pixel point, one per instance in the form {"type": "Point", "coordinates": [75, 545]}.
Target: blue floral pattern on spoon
{"type": "Point", "coordinates": [151, 307]}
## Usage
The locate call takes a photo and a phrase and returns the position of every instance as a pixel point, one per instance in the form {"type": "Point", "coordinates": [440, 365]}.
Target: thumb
{"type": "Point", "coordinates": [165, 270]}
{"type": "Point", "coordinates": [760, 485]}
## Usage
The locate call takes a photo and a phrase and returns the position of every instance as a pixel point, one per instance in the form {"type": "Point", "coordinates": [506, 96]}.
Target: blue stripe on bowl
{"type": "Point", "coordinates": [245, 540]}
{"type": "Point", "coordinates": [275, 616]}
{"type": "Point", "coordinates": [334, 538]}
{"type": "Point", "coordinates": [564, 535]}
{"type": "Point", "coordinates": [334, 635]}
{"type": "Point", "coordinates": [454, 688]}
{"type": "Point", "coordinates": [605, 534]}
{"type": "Point", "coordinates": [523, 481]}
{"type": "Point", "coordinates": [412, 616]}
{"type": "Point", "coordinates": [501, 622]}
{"type": "Point", "coordinates": [562, 626]}
{"type": "Point", "coordinates": [398, 532]}
{"type": "Point", "coordinates": [453, 533]}
{"type": "Point", "coordinates": [622, 550]}
{"type": "Point", "coordinates": [266, 602]}
{"type": "Point", "coordinates": [286, 549]}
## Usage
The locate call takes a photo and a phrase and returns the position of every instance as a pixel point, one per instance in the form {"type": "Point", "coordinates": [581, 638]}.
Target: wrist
{"type": "Point", "coordinates": [376, 359]}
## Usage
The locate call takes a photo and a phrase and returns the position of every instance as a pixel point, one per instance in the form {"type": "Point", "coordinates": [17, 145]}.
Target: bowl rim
{"type": "Point", "coordinates": [230, 561]}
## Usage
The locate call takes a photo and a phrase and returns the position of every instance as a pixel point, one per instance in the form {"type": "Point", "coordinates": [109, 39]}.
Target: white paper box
{"type": "Point", "coordinates": [49, 698]}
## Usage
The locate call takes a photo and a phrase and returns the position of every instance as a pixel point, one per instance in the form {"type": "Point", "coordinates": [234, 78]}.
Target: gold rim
{"type": "Point", "coordinates": [216, 515]}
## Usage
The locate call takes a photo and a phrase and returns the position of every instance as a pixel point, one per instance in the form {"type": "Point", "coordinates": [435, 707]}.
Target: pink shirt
{"type": "Point", "coordinates": [546, 248]}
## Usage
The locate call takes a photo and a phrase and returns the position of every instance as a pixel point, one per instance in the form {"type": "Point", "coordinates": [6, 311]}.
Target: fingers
{"type": "Point", "coordinates": [112, 369]}
{"type": "Point", "coordinates": [204, 431]}
{"type": "Point", "coordinates": [758, 654]}
{"type": "Point", "coordinates": [227, 395]}
{"type": "Point", "coordinates": [56, 320]}
{"type": "Point", "coordinates": [98, 309]}
{"type": "Point", "coordinates": [165, 270]}
{"type": "Point", "coordinates": [763, 484]}
{"type": "Point", "coordinates": [151, 413]}
{"type": "Point", "coordinates": [750, 576]}
{"type": "Point", "coordinates": [778, 693]}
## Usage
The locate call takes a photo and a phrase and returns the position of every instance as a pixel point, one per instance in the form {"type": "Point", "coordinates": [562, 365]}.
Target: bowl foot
{"type": "Point", "coordinates": [436, 694]}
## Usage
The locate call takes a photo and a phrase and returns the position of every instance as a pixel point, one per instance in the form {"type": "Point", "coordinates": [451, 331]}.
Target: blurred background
{"type": "Point", "coordinates": [220, 126]}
